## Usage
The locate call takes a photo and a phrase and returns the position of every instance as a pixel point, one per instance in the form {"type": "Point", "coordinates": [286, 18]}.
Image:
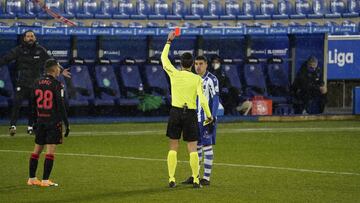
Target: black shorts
{"type": "Point", "coordinates": [48, 133]}
{"type": "Point", "coordinates": [183, 122]}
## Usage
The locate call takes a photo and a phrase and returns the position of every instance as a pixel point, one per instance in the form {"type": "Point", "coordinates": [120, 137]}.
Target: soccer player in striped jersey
{"type": "Point", "coordinates": [207, 134]}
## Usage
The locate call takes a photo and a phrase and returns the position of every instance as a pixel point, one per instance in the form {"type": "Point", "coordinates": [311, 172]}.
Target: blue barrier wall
{"type": "Point", "coordinates": [356, 101]}
{"type": "Point", "coordinates": [309, 45]}
{"type": "Point", "coordinates": [57, 45]}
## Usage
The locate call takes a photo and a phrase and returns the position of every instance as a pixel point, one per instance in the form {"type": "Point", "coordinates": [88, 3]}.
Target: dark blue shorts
{"type": "Point", "coordinates": [206, 137]}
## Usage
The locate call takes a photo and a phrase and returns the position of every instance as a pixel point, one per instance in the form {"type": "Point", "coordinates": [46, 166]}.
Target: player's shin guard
{"type": "Point", "coordinates": [171, 162]}
{"type": "Point", "coordinates": [208, 161]}
{"type": "Point", "coordinates": [33, 165]}
{"type": "Point", "coordinates": [48, 165]}
{"type": "Point", "coordinates": [194, 164]}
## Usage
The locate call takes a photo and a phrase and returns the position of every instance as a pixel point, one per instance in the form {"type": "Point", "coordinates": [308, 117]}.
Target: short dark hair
{"type": "Point", "coordinates": [216, 57]}
{"type": "Point", "coordinates": [201, 58]}
{"type": "Point", "coordinates": [312, 59]}
{"type": "Point", "coordinates": [27, 31]}
{"type": "Point", "coordinates": [186, 60]}
{"type": "Point", "coordinates": [49, 64]}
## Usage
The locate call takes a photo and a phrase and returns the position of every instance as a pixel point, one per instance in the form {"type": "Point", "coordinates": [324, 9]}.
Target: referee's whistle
{"type": "Point", "coordinates": [177, 32]}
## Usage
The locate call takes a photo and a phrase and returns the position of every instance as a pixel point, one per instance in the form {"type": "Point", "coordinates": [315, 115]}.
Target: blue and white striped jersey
{"type": "Point", "coordinates": [211, 92]}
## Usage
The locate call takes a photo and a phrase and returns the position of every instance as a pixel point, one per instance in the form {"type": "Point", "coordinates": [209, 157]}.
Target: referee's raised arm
{"type": "Point", "coordinates": [168, 67]}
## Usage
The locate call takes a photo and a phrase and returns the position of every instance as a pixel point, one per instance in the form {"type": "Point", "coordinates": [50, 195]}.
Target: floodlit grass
{"type": "Point", "coordinates": [254, 162]}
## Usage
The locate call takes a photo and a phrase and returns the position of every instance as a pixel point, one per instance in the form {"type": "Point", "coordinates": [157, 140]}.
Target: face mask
{"type": "Point", "coordinates": [216, 66]}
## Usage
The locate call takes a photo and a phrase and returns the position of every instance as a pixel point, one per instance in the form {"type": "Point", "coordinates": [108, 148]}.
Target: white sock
{"type": "Point", "coordinates": [208, 161]}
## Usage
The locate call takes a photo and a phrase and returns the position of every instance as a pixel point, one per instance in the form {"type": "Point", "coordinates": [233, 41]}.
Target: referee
{"type": "Point", "coordinates": [30, 58]}
{"type": "Point", "coordinates": [185, 87]}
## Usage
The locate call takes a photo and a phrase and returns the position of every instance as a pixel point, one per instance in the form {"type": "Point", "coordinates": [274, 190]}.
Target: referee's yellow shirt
{"type": "Point", "coordinates": [185, 85]}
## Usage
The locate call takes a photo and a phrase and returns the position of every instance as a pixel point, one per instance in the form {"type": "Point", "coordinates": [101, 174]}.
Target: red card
{"type": "Point", "coordinates": [177, 31]}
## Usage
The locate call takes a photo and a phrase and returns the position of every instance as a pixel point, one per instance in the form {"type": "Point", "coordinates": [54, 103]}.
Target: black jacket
{"type": "Point", "coordinates": [29, 62]}
{"type": "Point", "coordinates": [307, 83]}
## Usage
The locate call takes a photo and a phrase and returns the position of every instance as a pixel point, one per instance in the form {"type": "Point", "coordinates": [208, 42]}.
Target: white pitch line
{"type": "Point", "coordinates": [220, 131]}
{"type": "Point", "coordinates": [217, 164]}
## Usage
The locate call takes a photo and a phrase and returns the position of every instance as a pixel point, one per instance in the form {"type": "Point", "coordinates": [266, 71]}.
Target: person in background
{"type": "Point", "coordinates": [229, 95]}
{"type": "Point", "coordinates": [29, 58]}
{"type": "Point", "coordinates": [309, 89]}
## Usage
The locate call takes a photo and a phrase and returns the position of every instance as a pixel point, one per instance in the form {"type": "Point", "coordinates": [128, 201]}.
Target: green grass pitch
{"type": "Point", "coordinates": [254, 162]}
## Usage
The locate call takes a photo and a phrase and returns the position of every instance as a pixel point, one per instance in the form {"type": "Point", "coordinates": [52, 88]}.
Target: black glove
{"type": "Point", "coordinates": [210, 127]}
{"type": "Point", "coordinates": [67, 131]}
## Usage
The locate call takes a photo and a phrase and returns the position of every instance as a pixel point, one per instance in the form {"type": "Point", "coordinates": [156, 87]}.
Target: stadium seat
{"type": "Point", "coordinates": [131, 80]}
{"type": "Point", "coordinates": [31, 10]}
{"type": "Point", "coordinates": [231, 71]}
{"type": "Point", "coordinates": [337, 8]}
{"type": "Point", "coordinates": [107, 86]}
{"type": "Point", "coordinates": [54, 5]}
{"type": "Point", "coordinates": [302, 9]}
{"type": "Point", "coordinates": [179, 10]}
{"type": "Point", "coordinates": [284, 10]}
{"type": "Point", "coordinates": [319, 9]}
{"type": "Point", "coordinates": [11, 9]}
{"type": "Point", "coordinates": [278, 84]}
{"type": "Point", "coordinates": [267, 9]}
{"type": "Point", "coordinates": [71, 7]}
{"type": "Point", "coordinates": [142, 10]}
{"type": "Point", "coordinates": [82, 85]}
{"type": "Point", "coordinates": [87, 9]}
{"type": "Point", "coordinates": [353, 9]}
{"type": "Point", "coordinates": [124, 10]}
{"type": "Point", "coordinates": [197, 10]}
{"type": "Point", "coordinates": [105, 10]}
{"type": "Point", "coordinates": [254, 78]}
{"type": "Point", "coordinates": [6, 87]}
{"type": "Point", "coordinates": [232, 9]}
{"type": "Point", "coordinates": [248, 10]}
{"type": "Point", "coordinates": [159, 10]}
{"type": "Point", "coordinates": [156, 79]}
{"type": "Point", "coordinates": [214, 10]}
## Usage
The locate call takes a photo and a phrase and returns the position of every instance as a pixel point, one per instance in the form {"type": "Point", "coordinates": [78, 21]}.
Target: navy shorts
{"type": "Point", "coordinates": [206, 137]}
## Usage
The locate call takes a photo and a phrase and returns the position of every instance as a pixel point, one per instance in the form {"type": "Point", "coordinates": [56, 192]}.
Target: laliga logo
{"type": "Point", "coordinates": [341, 58]}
